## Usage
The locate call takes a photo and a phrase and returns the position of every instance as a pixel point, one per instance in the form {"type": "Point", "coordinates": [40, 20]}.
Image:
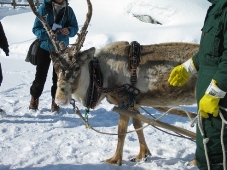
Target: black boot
{"type": "Point", "coordinates": [2, 113]}
{"type": "Point", "coordinates": [34, 103]}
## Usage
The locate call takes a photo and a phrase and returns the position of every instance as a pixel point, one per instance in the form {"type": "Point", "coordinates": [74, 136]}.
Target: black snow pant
{"type": "Point", "coordinates": [43, 63]}
{"type": "Point", "coordinates": [1, 76]}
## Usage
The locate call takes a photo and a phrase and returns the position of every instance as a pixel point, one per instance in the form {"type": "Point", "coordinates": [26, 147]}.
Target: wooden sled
{"type": "Point", "coordinates": [153, 122]}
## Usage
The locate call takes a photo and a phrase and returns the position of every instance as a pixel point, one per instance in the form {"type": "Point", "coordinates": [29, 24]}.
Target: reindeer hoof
{"type": "Point", "coordinates": [193, 162]}
{"type": "Point", "coordinates": [114, 161]}
{"type": "Point", "coordinates": [143, 159]}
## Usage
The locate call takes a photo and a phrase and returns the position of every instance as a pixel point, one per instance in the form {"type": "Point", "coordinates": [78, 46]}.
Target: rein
{"type": "Point", "coordinates": [85, 120]}
{"type": "Point", "coordinates": [77, 111]}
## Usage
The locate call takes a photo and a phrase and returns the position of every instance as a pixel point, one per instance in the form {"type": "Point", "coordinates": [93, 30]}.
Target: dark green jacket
{"type": "Point", "coordinates": [211, 60]}
{"type": "Point", "coordinates": [211, 63]}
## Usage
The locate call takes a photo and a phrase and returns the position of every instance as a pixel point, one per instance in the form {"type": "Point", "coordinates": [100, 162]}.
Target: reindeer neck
{"type": "Point", "coordinates": [114, 64]}
{"type": "Point", "coordinates": [96, 80]}
{"type": "Point", "coordinates": [82, 84]}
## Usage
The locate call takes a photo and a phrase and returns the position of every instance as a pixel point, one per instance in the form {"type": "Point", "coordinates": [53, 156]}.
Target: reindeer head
{"type": "Point", "coordinates": [69, 76]}
{"type": "Point", "coordinates": [67, 61]}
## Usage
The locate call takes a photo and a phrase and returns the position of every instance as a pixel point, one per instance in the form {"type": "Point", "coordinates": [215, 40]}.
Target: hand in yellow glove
{"type": "Point", "coordinates": [209, 104]}
{"type": "Point", "coordinates": [180, 74]}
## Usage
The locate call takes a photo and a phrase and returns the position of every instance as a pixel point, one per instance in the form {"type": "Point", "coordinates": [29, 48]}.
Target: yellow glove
{"type": "Point", "coordinates": [178, 76]}
{"type": "Point", "coordinates": [209, 104]}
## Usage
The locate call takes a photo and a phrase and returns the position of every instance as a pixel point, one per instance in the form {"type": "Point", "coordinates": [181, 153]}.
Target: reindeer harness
{"type": "Point", "coordinates": [95, 88]}
{"type": "Point", "coordinates": [134, 60]}
{"type": "Point", "coordinates": [96, 81]}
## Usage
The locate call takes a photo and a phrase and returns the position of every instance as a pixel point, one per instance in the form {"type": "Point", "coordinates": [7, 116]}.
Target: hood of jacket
{"type": "Point", "coordinates": [58, 7]}
{"type": "Point", "coordinates": [48, 1]}
{"type": "Point", "coordinates": [217, 6]}
{"type": "Point", "coordinates": [214, 1]}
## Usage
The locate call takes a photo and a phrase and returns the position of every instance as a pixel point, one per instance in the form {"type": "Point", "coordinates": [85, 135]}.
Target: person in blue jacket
{"type": "Point", "coordinates": [60, 17]}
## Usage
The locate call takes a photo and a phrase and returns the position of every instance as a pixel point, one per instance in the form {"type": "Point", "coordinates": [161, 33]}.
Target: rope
{"type": "Point", "coordinates": [192, 121]}
{"type": "Point", "coordinates": [77, 111]}
{"type": "Point", "coordinates": [178, 134]}
{"type": "Point", "coordinates": [222, 139]}
{"type": "Point", "coordinates": [118, 133]}
{"type": "Point", "coordinates": [205, 140]}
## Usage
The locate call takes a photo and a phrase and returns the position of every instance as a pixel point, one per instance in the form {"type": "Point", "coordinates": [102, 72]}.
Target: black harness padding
{"type": "Point", "coordinates": [96, 79]}
{"type": "Point", "coordinates": [134, 60]}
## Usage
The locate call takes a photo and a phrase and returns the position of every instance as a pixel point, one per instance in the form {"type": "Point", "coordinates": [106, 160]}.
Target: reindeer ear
{"type": "Point", "coordinates": [87, 54]}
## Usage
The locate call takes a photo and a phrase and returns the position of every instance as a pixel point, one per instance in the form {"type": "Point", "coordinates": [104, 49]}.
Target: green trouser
{"type": "Point", "coordinates": [212, 130]}
{"type": "Point", "coordinates": [211, 127]}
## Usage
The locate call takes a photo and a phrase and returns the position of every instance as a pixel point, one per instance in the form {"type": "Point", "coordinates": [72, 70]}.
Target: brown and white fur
{"type": "Point", "coordinates": [156, 63]}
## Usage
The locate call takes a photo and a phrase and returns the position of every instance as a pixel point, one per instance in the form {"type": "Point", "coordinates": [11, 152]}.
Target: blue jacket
{"type": "Point", "coordinates": [40, 32]}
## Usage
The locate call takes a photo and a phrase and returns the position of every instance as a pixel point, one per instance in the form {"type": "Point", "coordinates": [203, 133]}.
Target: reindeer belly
{"type": "Point", "coordinates": [162, 94]}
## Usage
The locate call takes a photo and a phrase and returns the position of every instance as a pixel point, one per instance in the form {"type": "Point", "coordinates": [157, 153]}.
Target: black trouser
{"type": "Point", "coordinates": [43, 63]}
{"type": "Point", "coordinates": [1, 76]}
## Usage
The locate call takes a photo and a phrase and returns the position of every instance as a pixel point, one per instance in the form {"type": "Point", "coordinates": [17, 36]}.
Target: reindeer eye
{"type": "Point", "coordinates": [77, 68]}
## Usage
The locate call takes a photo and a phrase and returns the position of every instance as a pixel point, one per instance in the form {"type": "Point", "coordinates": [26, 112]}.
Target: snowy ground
{"type": "Point", "coordinates": [44, 141]}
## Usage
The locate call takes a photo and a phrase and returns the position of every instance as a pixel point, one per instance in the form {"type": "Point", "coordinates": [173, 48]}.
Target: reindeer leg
{"type": "Point", "coordinates": [122, 128]}
{"type": "Point", "coordinates": [144, 151]}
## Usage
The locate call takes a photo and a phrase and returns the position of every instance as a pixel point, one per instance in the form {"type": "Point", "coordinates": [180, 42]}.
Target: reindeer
{"type": "Point", "coordinates": [90, 76]}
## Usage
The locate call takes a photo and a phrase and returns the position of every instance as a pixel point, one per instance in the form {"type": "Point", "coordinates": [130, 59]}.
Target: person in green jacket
{"type": "Point", "coordinates": [210, 63]}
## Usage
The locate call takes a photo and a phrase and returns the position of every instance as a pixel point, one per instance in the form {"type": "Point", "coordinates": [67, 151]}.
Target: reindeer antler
{"type": "Point", "coordinates": [83, 32]}
{"type": "Point", "coordinates": [46, 26]}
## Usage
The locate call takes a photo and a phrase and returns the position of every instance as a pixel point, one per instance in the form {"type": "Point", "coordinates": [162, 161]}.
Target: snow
{"type": "Point", "coordinates": [46, 141]}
